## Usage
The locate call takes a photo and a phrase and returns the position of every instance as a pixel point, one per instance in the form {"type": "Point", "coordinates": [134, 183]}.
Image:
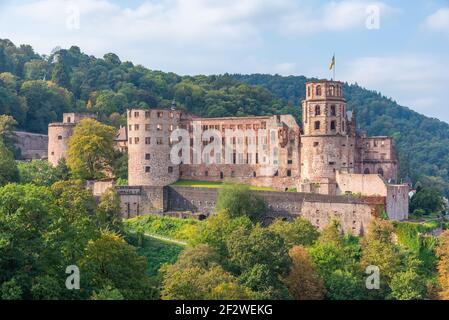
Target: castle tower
{"type": "Point", "coordinates": [327, 142]}
{"type": "Point", "coordinates": [149, 147]}
{"type": "Point", "coordinates": [59, 134]}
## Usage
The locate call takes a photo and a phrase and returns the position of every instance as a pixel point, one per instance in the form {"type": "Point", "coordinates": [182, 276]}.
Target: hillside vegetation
{"type": "Point", "coordinates": [36, 89]}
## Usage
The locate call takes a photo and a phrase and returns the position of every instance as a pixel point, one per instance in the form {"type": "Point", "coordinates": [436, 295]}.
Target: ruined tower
{"type": "Point", "coordinates": [149, 147]}
{"type": "Point", "coordinates": [328, 143]}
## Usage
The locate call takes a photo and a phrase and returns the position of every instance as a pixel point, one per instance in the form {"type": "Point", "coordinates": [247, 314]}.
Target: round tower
{"type": "Point", "coordinates": [327, 143]}
{"type": "Point", "coordinates": [149, 147]}
{"type": "Point", "coordinates": [58, 137]}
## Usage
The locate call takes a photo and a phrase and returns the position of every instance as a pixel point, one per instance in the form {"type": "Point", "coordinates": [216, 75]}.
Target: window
{"type": "Point", "coordinates": [343, 126]}
{"type": "Point", "coordinates": [69, 119]}
{"type": "Point", "coordinates": [170, 169]}
{"type": "Point", "coordinates": [160, 114]}
{"type": "Point", "coordinates": [315, 144]}
{"type": "Point", "coordinates": [254, 174]}
{"type": "Point", "coordinates": [317, 125]}
{"type": "Point", "coordinates": [147, 169]}
{"type": "Point", "coordinates": [159, 127]}
{"type": "Point", "coordinates": [171, 128]}
{"type": "Point", "coordinates": [172, 115]}
{"type": "Point", "coordinates": [331, 163]}
{"type": "Point", "coordinates": [318, 90]}
{"type": "Point", "coordinates": [331, 90]}
{"type": "Point", "coordinates": [221, 175]}
{"type": "Point", "coordinates": [206, 173]}
{"type": "Point", "coordinates": [130, 128]}
{"type": "Point", "coordinates": [159, 141]}
{"type": "Point", "coordinates": [333, 125]}
{"type": "Point", "coordinates": [366, 171]}
{"type": "Point", "coordinates": [52, 153]}
{"type": "Point", "coordinates": [317, 110]}
{"type": "Point", "coordinates": [147, 140]}
{"type": "Point", "coordinates": [381, 172]}
{"type": "Point", "coordinates": [289, 173]}
{"type": "Point", "coordinates": [289, 161]}
{"type": "Point", "coordinates": [147, 114]}
{"type": "Point", "coordinates": [136, 127]}
{"type": "Point", "coordinates": [333, 111]}
{"type": "Point", "coordinates": [147, 156]}
{"type": "Point", "coordinates": [136, 114]}
{"type": "Point", "coordinates": [147, 127]}
{"type": "Point", "coordinates": [136, 140]}
{"type": "Point", "coordinates": [59, 137]}
{"type": "Point", "coordinates": [309, 92]}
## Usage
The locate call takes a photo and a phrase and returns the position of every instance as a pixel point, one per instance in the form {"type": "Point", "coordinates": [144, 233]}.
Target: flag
{"type": "Point", "coordinates": [332, 64]}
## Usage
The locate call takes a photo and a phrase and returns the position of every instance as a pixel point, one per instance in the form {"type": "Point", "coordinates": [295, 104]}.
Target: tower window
{"type": "Point", "coordinates": [318, 90]}
{"type": "Point", "coordinates": [332, 125]}
{"type": "Point", "coordinates": [317, 110]}
{"type": "Point", "coordinates": [136, 127]}
{"type": "Point", "coordinates": [309, 91]}
{"type": "Point", "coordinates": [381, 172]}
{"type": "Point", "coordinates": [147, 169]}
{"type": "Point", "coordinates": [332, 91]}
{"type": "Point", "coordinates": [147, 156]}
{"type": "Point", "coordinates": [59, 137]}
{"type": "Point", "coordinates": [333, 111]}
{"type": "Point", "coordinates": [317, 125]}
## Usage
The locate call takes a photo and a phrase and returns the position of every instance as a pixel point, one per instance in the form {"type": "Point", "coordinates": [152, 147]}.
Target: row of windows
{"type": "Point", "coordinates": [159, 127]}
{"type": "Point", "coordinates": [256, 126]}
{"type": "Point", "coordinates": [148, 114]}
{"type": "Point", "coordinates": [332, 113]}
{"type": "Point", "coordinates": [159, 141]}
{"type": "Point", "coordinates": [222, 175]}
{"type": "Point", "coordinates": [333, 125]}
{"type": "Point", "coordinates": [379, 171]}
{"type": "Point", "coordinates": [331, 91]}
{"type": "Point", "coordinates": [148, 169]}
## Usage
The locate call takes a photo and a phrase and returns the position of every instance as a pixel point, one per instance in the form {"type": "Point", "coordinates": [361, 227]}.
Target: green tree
{"type": "Point", "coordinates": [248, 248]}
{"type": "Point", "coordinates": [38, 172]}
{"type": "Point", "coordinates": [108, 213]}
{"type": "Point", "coordinates": [110, 261]}
{"type": "Point", "coordinates": [427, 199]}
{"type": "Point", "coordinates": [238, 201]}
{"type": "Point", "coordinates": [91, 149]}
{"type": "Point", "coordinates": [295, 233]}
{"type": "Point", "coordinates": [407, 285]}
{"type": "Point", "coordinates": [8, 167]}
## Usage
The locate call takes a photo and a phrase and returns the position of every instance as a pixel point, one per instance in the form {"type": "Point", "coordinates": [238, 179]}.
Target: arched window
{"type": "Point", "coordinates": [317, 125]}
{"type": "Point", "coordinates": [366, 171]}
{"type": "Point", "coordinates": [333, 125]}
{"type": "Point", "coordinates": [318, 90]}
{"type": "Point", "coordinates": [380, 171]}
{"type": "Point", "coordinates": [317, 110]}
{"type": "Point", "coordinates": [333, 111]}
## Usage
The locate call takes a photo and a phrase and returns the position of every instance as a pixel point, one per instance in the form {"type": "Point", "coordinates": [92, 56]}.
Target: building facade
{"type": "Point", "coordinates": [327, 156]}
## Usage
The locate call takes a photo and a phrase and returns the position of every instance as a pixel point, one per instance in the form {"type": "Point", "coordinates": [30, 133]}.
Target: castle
{"type": "Point", "coordinates": [336, 170]}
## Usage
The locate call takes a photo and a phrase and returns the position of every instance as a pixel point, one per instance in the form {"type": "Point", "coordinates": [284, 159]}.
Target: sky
{"type": "Point", "coordinates": [397, 47]}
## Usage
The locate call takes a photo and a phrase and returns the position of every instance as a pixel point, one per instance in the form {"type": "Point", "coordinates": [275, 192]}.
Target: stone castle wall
{"type": "Point", "coordinates": [32, 145]}
{"type": "Point", "coordinates": [354, 213]}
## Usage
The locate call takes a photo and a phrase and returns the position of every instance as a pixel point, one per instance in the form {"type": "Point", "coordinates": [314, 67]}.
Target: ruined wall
{"type": "Point", "coordinates": [397, 205]}
{"type": "Point", "coordinates": [32, 145]}
{"type": "Point", "coordinates": [353, 212]}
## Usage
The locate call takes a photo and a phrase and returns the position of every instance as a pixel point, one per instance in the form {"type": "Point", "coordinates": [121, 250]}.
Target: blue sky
{"type": "Point", "coordinates": [405, 55]}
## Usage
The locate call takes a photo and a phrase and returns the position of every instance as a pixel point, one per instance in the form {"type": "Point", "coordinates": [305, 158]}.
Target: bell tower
{"type": "Point", "coordinates": [328, 144]}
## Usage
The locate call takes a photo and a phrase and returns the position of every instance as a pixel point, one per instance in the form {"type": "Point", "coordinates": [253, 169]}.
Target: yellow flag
{"type": "Point", "coordinates": [332, 65]}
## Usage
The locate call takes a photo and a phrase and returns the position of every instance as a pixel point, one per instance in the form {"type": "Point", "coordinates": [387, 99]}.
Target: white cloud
{"type": "Point", "coordinates": [417, 81]}
{"type": "Point", "coordinates": [438, 21]}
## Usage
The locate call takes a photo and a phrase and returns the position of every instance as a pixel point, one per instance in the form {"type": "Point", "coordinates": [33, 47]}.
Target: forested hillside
{"type": "Point", "coordinates": [36, 89]}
